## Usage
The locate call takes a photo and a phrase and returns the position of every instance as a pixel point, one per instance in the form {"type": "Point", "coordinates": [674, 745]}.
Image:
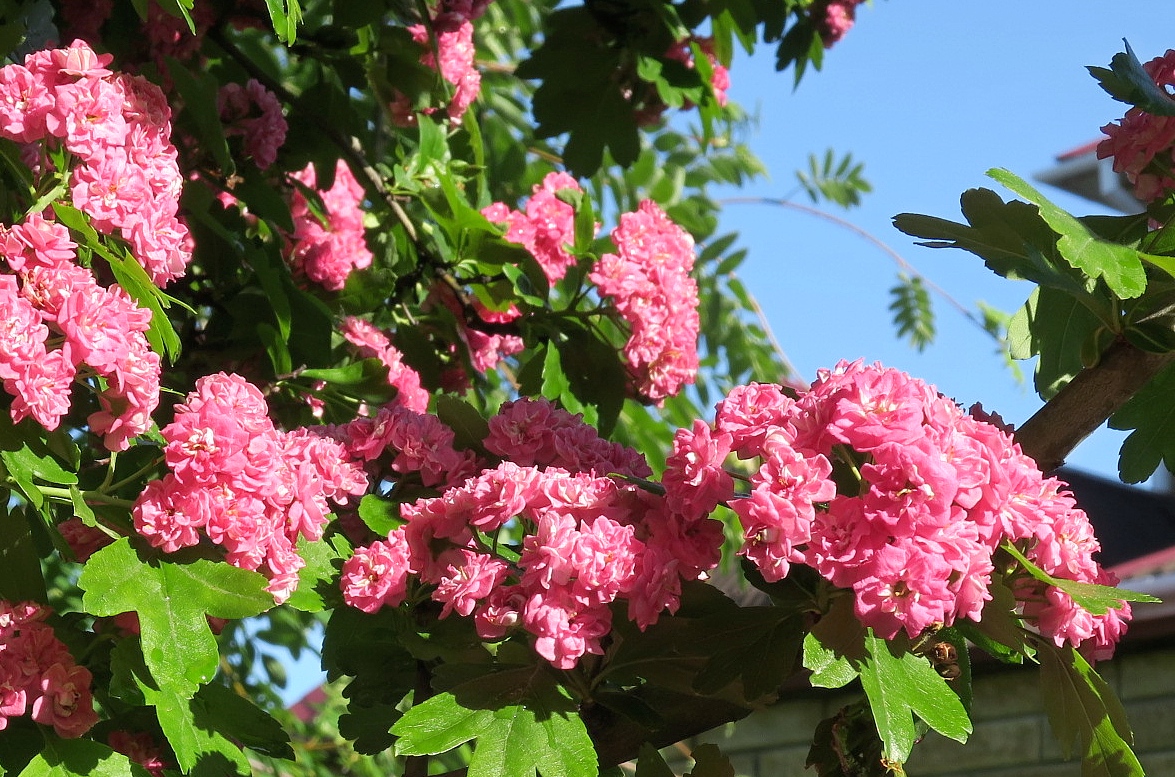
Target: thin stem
{"type": "Point", "coordinates": [902, 264]}
{"type": "Point", "coordinates": [143, 470]}
{"type": "Point", "coordinates": [90, 497]}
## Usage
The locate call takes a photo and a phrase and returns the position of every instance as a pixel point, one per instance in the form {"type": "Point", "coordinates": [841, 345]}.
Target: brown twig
{"type": "Point", "coordinates": [1086, 402]}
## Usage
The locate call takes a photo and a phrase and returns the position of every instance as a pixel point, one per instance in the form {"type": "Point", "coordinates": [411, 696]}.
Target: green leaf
{"type": "Point", "coordinates": [1056, 327]}
{"type": "Point", "coordinates": [522, 721]}
{"type": "Point", "coordinates": [1096, 599]}
{"type": "Point", "coordinates": [899, 686]}
{"type": "Point", "coordinates": [469, 428]}
{"type": "Point", "coordinates": [235, 716]}
{"type": "Point", "coordinates": [21, 578]}
{"type": "Point", "coordinates": [138, 285]}
{"type": "Point", "coordinates": [1119, 265]}
{"type": "Point", "coordinates": [1011, 238]}
{"type": "Point", "coordinates": [71, 757]}
{"type": "Point", "coordinates": [1151, 414]}
{"type": "Point", "coordinates": [578, 94]}
{"type": "Point", "coordinates": [829, 669]}
{"type": "Point", "coordinates": [317, 576]}
{"type": "Point", "coordinates": [555, 383]}
{"type": "Point", "coordinates": [1127, 81]}
{"type": "Point", "coordinates": [912, 313]}
{"type": "Point", "coordinates": [842, 183]}
{"type": "Point", "coordinates": [381, 515]}
{"type": "Point", "coordinates": [285, 17]}
{"type": "Point", "coordinates": [173, 602]}
{"type": "Point", "coordinates": [709, 761]}
{"type": "Point", "coordinates": [199, 748]}
{"type": "Point", "coordinates": [755, 645]}
{"type": "Point", "coordinates": [594, 375]}
{"type": "Point", "coordinates": [650, 763]}
{"type": "Point", "coordinates": [1082, 708]}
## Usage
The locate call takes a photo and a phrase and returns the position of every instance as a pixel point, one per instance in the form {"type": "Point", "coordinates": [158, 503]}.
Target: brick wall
{"type": "Point", "coordinates": [1012, 736]}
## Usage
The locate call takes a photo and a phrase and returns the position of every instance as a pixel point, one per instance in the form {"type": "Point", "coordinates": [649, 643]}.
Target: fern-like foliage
{"type": "Point", "coordinates": [839, 181]}
{"type": "Point", "coordinates": [912, 313]}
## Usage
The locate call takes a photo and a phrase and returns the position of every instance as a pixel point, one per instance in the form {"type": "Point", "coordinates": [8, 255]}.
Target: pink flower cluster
{"type": "Point", "coordinates": [38, 673]}
{"type": "Point", "coordinates": [834, 19]}
{"type": "Point", "coordinates": [117, 127]}
{"type": "Point", "coordinates": [937, 492]}
{"type": "Point", "coordinates": [327, 253]}
{"type": "Point", "coordinates": [534, 432]}
{"type": "Point", "coordinates": [584, 540]}
{"type": "Point", "coordinates": [57, 324]}
{"type": "Point", "coordinates": [254, 113]}
{"type": "Point", "coordinates": [546, 228]}
{"type": "Point", "coordinates": [242, 483]}
{"type": "Point", "coordinates": [453, 58]}
{"type": "Point", "coordinates": [649, 282]}
{"type": "Point", "coordinates": [719, 74]}
{"type": "Point", "coordinates": [370, 342]}
{"type": "Point", "coordinates": [406, 442]}
{"type": "Point", "coordinates": [1142, 144]}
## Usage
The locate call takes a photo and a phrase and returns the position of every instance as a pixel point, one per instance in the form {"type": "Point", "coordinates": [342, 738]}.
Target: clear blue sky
{"type": "Point", "coordinates": [929, 94]}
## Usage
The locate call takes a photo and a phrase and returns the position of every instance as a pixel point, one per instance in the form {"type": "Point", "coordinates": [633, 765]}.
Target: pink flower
{"type": "Point", "coordinates": [469, 582]}
{"type": "Point", "coordinates": [565, 631]}
{"type": "Point", "coordinates": [377, 575]}
{"type": "Point", "coordinates": [239, 107]}
{"type": "Point", "coordinates": [453, 59]}
{"type": "Point", "coordinates": [65, 702]}
{"type": "Point", "coordinates": [327, 253]}
{"type": "Point", "coordinates": [547, 227]}
{"type": "Point", "coordinates": [1142, 144]}
{"type": "Point", "coordinates": [246, 486]}
{"type": "Point", "coordinates": [695, 481]}
{"type": "Point", "coordinates": [652, 290]}
{"type": "Point", "coordinates": [370, 342]}
{"type": "Point", "coordinates": [833, 19]}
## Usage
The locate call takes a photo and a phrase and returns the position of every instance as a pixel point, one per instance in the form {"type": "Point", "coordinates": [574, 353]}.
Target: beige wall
{"type": "Point", "coordinates": [1012, 736]}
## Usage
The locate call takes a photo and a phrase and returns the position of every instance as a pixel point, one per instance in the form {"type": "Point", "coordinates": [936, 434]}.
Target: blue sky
{"type": "Point", "coordinates": [929, 95]}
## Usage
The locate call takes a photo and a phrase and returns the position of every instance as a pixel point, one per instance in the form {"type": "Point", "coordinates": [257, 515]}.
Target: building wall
{"type": "Point", "coordinates": [1012, 736]}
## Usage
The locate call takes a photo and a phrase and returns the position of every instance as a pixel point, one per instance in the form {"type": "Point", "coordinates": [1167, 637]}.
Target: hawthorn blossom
{"type": "Point", "coordinates": [126, 177]}
{"type": "Point", "coordinates": [371, 342]}
{"type": "Point", "coordinates": [38, 676]}
{"type": "Point", "coordinates": [547, 226]}
{"type": "Point", "coordinates": [453, 59]}
{"type": "Point", "coordinates": [50, 299]}
{"type": "Point", "coordinates": [587, 540]}
{"type": "Point", "coordinates": [327, 253]}
{"type": "Point", "coordinates": [933, 496]}
{"type": "Point", "coordinates": [377, 575]}
{"type": "Point", "coordinates": [255, 113]}
{"type": "Point", "coordinates": [141, 748]}
{"type": "Point", "coordinates": [1142, 144]}
{"type": "Point", "coordinates": [246, 486]}
{"type": "Point", "coordinates": [649, 283]}
{"type": "Point", "coordinates": [833, 19]}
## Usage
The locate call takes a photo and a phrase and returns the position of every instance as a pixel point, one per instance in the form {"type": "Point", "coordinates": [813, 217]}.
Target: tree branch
{"type": "Point", "coordinates": [1086, 402]}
